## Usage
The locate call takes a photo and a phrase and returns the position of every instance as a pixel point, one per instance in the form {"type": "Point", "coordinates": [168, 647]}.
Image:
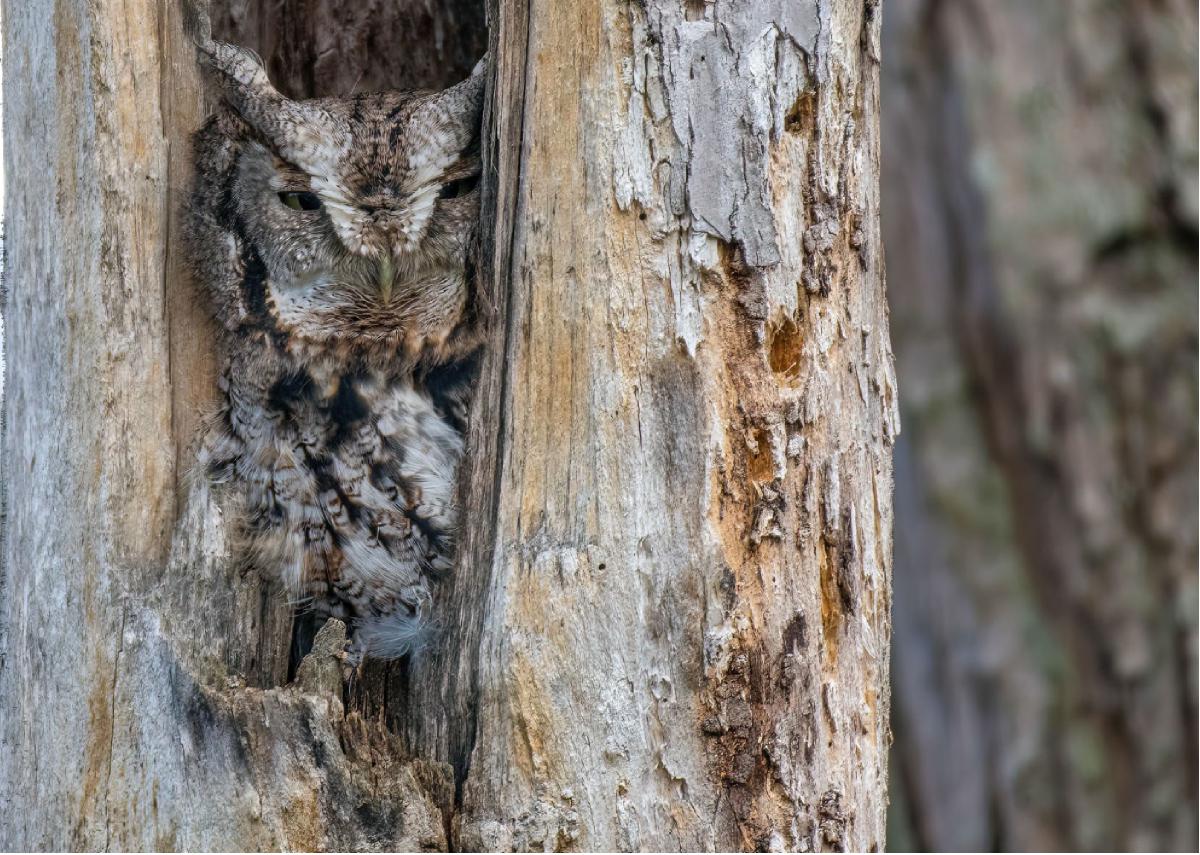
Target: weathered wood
{"type": "Point", "coordinates": [141, 671]}
{"type": "Point", "coordinates": [670, 624]}
{"type": "Point", "coordinates": [685, 618]}
{"type": "Point", "coordinates": [442, 715]}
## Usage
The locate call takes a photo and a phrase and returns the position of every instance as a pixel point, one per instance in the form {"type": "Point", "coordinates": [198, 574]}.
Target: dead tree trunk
{"type": "Point", "coordinates": [670, 623]}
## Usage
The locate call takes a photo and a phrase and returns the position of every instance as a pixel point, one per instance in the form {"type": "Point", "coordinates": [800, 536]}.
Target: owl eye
{"type": "Point", "coordinates": [300, 201]}
{"type": "Point", "coordinates": [460, 187]}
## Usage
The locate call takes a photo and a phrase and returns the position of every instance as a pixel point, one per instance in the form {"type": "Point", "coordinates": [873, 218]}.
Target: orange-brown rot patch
{"type": "Point", "coordinates": [831, 602]}
{"type": "Point", "coordinates": [745, 705]}
{"type": "Point", "coordinates": [802, 117]}
{"type": "Point", "coordinates": [534, 723]}
{"type": "Point", "coordinates": [785, 345]}
{"type": "Point", "coordinates": [164, 839]}
{"type": "Point", "coordinates": [760, 463]}
{"type": "Point", "coordinates": [871, 702]}
{"type": "Point", "coordinates": [749, 394]}
{"type": "Point", "coordinates": [302, 824]}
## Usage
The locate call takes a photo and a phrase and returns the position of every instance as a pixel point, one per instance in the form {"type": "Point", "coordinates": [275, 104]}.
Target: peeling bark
{"type": "Point", "coordinates": [685, 619]}
{"type": "Point", "coordinates": [670, 624]}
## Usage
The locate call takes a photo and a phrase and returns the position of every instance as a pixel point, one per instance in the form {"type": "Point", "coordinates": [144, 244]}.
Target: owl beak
{"type": "Point", "coordinates": [386, 273]}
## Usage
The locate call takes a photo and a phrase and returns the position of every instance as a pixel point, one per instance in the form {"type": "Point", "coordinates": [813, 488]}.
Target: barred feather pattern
{"type": "Point", "coordinates": [347, 487]}
{"type": "Point", "coordinates": [335, 238]}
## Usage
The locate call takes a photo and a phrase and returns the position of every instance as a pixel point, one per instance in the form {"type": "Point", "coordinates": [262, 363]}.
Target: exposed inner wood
{"type": "Point", "coordinates": [669, 629]}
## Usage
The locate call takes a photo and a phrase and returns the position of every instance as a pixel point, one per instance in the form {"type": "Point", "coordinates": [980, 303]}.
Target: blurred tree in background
{"type": "Point", "coordinates": [1039, 203]}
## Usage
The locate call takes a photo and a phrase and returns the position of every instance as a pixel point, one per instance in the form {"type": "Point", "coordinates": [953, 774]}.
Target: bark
{"type": "Point", "coordinates": [685, 613]}
{"type": "Point", "coordinates": [670, 623]}
{"type": "Point", "coordinates": [1041, 231]}
{"type": "Point", "coordinates": [143, 675]}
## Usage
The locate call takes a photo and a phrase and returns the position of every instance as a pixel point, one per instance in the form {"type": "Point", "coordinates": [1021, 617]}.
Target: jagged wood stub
{"type": "Point", "coordinates": [671, 624]}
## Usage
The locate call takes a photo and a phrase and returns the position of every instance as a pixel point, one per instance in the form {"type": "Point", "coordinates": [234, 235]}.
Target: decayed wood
{"type": "Point", "coordinates": [685, 623]}
{"type": "Point", "coordinates": [670, 624]}
{"type": "Point", "coordinates": [441, 718]}
{"type": "Point", "coordinates": [141, 672]}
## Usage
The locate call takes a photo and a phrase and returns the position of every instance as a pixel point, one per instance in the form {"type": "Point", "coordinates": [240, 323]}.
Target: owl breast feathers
{"type": "Point", "coordinates": [334, 237]}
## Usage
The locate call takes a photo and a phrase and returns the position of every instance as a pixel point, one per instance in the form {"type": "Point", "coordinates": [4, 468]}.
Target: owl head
{"type": "Point", "coordinates": [352, 218]}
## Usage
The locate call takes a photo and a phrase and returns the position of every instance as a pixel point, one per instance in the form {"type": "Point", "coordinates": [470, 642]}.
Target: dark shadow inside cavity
{"type": "Point", "coordinates": [305, 626]}
{"type": "Point", "coordinates": [319, 48]}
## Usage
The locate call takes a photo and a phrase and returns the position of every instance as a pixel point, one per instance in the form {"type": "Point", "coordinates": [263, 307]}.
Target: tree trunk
{"type": "Point", "coordinates": [670, 623]}
{"type": "Point", "coordinates": [1041, 231]}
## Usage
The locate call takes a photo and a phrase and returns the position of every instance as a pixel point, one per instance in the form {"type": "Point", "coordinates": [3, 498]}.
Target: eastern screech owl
{"type": "Point", "coordinates": [335, 237]}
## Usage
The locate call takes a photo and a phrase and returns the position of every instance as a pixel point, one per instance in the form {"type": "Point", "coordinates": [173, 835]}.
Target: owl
{"type": "Point", "coordinates": [335, 238]}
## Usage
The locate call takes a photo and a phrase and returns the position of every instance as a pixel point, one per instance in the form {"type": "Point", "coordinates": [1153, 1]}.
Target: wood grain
{"type": "Point", "coordinates": [669, 627]}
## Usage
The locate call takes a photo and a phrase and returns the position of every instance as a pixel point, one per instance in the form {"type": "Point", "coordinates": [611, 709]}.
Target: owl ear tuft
{"type": "Point", "coordinates": [459, 108]}
{"type": "Point", "coordinates": [301, 133]}
{"type": "Point", "coordinates": [473, 88]}
{"type": "Point", "coordinates": [239, 71]}
{"type": "Point", "coordinates": [480, 69]}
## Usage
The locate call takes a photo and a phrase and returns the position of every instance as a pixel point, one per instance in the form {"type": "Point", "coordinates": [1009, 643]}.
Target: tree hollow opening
{"type": "Point", "coordinates": [329, 48]}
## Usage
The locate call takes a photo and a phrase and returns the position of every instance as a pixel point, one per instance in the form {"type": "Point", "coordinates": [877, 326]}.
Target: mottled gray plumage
{"type": "Point", "coordinates": [335, 238]}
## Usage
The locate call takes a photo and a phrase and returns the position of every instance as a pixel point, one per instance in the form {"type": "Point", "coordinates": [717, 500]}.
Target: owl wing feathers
{"type": "Point", "coordinates": [343, 413]}
{"type": "Point", "coordinates": [354, 516]}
